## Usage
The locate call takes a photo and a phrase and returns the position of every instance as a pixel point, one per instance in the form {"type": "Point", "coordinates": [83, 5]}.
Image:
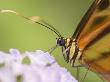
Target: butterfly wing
{"type": "Point", "coordinates": [95, 43]}
{"type": "Point", "coordinates": [97, 54]}
{"type": "Point", "coordinates": [94, 38]}
{"type": "Point", "coordinates": [97, 14]}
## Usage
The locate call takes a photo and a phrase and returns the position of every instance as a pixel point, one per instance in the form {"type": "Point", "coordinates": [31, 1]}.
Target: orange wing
{"type": "Point", "coordinates": [94, 38]}
{"type": "Point", "coordinates": [96, 56]}
{"type": "Point", "coordinates": [95, 17]}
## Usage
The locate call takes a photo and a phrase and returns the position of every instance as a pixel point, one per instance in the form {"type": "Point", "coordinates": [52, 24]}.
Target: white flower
{"type": "Point", "coordinates": [35, 66]}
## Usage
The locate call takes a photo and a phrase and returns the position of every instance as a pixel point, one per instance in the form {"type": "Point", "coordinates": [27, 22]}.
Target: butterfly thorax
{"type": "Point", "coordinates": [71, 51]}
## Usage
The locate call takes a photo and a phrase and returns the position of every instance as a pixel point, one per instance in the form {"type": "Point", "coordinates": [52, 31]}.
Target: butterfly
{"type": "Point", "coordinates": [89, 46]}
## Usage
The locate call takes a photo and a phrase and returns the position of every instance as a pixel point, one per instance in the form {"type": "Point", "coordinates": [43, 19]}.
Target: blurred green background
{"type": "Point", "coordinates": [64, 15]}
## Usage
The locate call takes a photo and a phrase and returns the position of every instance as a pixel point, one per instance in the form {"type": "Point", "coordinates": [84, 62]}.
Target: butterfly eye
{"type": "Point", "coordinates": [61, 41]}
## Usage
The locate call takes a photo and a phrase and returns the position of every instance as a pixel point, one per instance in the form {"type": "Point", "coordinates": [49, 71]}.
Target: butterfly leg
{"type": "Point", "coordinates": [52, 49]}
{"type": "Point", "coordinates": [85, 75]}
{"type": "Point", "coordinates": [78, 73]}
{"type": "Point", "coordinates": [65, 52]}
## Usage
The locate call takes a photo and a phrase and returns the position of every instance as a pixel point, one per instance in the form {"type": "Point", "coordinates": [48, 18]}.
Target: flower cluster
{"type": "Point", "coordinates": [35, 66]}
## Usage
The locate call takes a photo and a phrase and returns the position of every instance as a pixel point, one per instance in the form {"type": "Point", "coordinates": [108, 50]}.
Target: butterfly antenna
{"type": "Point", "coordinates": [38, 21]}
{"type": "Point", "coordinates": [52, 28]}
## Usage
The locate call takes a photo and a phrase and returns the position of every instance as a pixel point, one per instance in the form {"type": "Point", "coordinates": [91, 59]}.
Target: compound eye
{"type": "Point", "coordinates": [61, 42]}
